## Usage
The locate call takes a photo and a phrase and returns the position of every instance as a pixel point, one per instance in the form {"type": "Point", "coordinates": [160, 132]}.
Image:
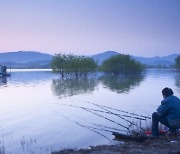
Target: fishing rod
{"type": "Point", "coordinates": [109, 112]}
{"type": "Point", "coordinates": [103, 106]}
{"type": "Point", "coordinates": [120, 117]}
{"type": "Point", "coordinates": [102, 129]}
{"type": "Point", "coordinates": [108, 127]}
{"type": "Point", "coordinates": [92, 122]}
{"type": "Point", "coordinates": [99, 125]}
{"type": "Point", "coordinates": [97, 115]}
{"type": "Point", "coordinates": [88, 127]}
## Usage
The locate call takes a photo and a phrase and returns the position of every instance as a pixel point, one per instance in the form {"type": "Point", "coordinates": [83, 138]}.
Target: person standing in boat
{"type": "Point", "coordinates": [168, 113]}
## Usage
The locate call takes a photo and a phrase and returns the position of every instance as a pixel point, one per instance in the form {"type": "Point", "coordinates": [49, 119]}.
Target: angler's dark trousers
{"type": "Point", "coordinates": [155, 121]}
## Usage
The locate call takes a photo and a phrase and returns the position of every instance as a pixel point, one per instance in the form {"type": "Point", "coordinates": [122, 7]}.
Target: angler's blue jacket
{"type": "Point", "coordinates": [170, 109]}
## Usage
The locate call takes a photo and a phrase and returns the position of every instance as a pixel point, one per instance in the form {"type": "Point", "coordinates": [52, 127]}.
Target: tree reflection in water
{"type": "Point", "coordinates": [177, 80]}
{"type": "Point", "coordinates": [64, 87]}
{"type": "Point", "coordinates": [121, 83]}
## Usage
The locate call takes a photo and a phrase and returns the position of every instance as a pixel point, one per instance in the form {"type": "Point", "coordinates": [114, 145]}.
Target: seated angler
{"type": "Point", "coordinates": [168, 113]}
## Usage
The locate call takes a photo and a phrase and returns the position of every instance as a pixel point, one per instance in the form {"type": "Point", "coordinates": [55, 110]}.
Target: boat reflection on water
{"type": "Point", "coordinates": [121, 83]}
{"type": "Point", "coordinates": [3, 81]}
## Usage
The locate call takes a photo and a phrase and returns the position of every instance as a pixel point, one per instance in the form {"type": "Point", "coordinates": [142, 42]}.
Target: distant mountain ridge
{"type": "Point", "coordinates": [32, 59]}
{"type": "Point", "coordinates": [24, 57]}
{"type": "Point", "coordinates": [152, 61]}
{"type": "Point", "coordinates": [158, 61]}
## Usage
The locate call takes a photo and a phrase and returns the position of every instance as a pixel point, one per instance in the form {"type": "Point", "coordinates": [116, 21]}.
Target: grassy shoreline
{"type": "Point", "coordinates": [164, 144]}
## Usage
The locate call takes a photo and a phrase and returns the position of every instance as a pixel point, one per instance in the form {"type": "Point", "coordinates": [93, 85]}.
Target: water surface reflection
{"type": "Point", "coordinates": [3, 81]}
{"type": "Point", "coordinates": [64, 87]}
{"type": "Point", "coordinates": [121, 84]}
{"type": "Point", "coordinates": [177, 80]}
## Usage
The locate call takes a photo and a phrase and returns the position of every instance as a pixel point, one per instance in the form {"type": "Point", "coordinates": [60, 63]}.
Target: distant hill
{"type": "Point", "coordinates": [25, 59]}
{"type": "Point", "coordinates": [152, 61]}
{"type": "Point", "coordinates": [99, 58]}
{"type": "Point", "coordinates": [158, 61]}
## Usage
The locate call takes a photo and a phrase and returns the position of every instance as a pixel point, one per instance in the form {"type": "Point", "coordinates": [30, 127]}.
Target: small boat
{"type": "Point", "coordinates": [3, 71]}
{"type": "Point", "coordinates": [5, 74]}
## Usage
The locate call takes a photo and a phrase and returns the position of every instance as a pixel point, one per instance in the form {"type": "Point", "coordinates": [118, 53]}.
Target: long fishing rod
{"type": "Point", "coordinates": [97, 115]}
{"type": "Point", "coordinates": [108, 127]}
{"type": "Point", "coordinates": [119, 116]}
{"type": "Point", "coordinates": [122, 115]}
{"type": "Point", "coordinates": [99, 125]}
{"type": "Point", "coordinates": [109, 112]}
{"type": "Point", "coordinates": [104, 108]}
{"type": "Point", "coordinates": [88, 127]}
{"type": "Point", "coordinates": [113, 109]}
{"type": "Point", "coordinates": [102, 129]}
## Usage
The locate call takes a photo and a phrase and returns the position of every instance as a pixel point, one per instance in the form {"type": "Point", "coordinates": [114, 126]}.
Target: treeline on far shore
{"type": "Point", "coordinates": [67, 64]}
{"type": "Point", "coordinates": [87, 64]}
{"type": "Point", "coordinates": [177, 65]}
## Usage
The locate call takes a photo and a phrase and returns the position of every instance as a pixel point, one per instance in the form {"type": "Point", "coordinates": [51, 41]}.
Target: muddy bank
{"type": "Point", "coordinates": [162, 145]}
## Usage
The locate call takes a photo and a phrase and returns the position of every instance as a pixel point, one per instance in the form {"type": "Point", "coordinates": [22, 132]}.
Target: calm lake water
{"type": "Point", "coordinates": [40, 112]}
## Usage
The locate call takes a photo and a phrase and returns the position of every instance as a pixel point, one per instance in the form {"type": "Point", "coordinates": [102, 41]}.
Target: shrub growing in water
{"type": "Point", "coordinates": [121, 64]}
{"type": "Point", "coordinates": [73, 64]}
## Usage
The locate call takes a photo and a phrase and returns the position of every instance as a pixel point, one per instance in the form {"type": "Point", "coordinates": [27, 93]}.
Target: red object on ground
{"type": "Point", "coordinates": [160, 131]}
{"type": "Point", "coordinates": [148, 132]}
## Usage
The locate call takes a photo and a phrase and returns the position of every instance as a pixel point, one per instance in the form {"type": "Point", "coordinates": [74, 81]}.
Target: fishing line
{"type": "Point", "coordinates": [103, 106]}
{"type": "Point", "coordinates": [99, 125]}
{"type": "Point", "coordinates": [108, 127]}
{"type": "Point", "coordinates": [87, 127]}
{"type": "Point", "coordinates": [109, 112]}
{"type": "Point", "coordinates": [121, 115]}
{"type": "Point", "coordinates": [97, 115]}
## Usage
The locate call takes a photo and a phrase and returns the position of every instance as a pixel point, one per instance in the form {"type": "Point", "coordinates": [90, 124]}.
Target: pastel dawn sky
{"type": "Point", "coordinates": [136, 27]}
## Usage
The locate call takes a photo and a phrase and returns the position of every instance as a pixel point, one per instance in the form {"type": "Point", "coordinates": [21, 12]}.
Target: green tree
{"type": "Point", "coordinates": [59, 63]}
{"type": "Point", "coordinates": [121, 64]}
{"type": "Point", "coordinates": [177, 60]}
{"type": "Point", "coordinates": [73, 64]}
